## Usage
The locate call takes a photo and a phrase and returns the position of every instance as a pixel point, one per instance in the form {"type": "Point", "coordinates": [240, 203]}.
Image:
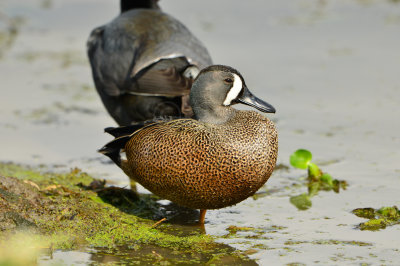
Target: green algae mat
{"type": "Point", "coordinates": [378, 218]}
{"type": "Point", "coordinates": [66, 211]}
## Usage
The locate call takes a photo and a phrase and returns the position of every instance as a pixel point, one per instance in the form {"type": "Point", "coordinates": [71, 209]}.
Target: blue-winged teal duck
{"type": "Point", "coordinates": [218, 159]}
{"type": "Point", "coordinates": [144, 62]}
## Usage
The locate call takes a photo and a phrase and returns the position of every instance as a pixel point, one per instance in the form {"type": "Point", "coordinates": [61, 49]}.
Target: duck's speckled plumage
{"type": "Point", "coordinates": [216, 160]}
{"type": "Point", "coordinates": [204, 166]}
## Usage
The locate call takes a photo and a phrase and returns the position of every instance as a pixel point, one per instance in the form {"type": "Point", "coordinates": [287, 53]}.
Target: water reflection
{"type": "Point", "coordinates": [147, 255]}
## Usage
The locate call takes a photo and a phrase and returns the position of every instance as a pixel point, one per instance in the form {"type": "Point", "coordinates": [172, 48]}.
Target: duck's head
{"type": "Point", "coordinates": [216, 89]}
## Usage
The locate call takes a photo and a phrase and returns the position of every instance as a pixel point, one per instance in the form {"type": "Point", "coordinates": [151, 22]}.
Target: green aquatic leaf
{"type": "Point", "coordinates": [301, 158]}
{"type": "Point", "coordinates": [314, 172]}
{"type": "Point", "coordinates": [327, 179]}
{"type": "Point", "coordinates": [302, 202]}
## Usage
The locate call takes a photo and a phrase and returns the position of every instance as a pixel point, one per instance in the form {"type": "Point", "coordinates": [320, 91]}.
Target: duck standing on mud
{"type": "Point", "coordinates": [218, 159]}
{"type": "Point", "coordinates": [144, 62]}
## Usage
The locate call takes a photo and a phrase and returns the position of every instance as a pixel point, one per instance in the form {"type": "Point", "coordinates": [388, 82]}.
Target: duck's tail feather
{"type": "Point", "coordinates": [123, 135]}
{"type": "Point", "coordinates": [113, 149]}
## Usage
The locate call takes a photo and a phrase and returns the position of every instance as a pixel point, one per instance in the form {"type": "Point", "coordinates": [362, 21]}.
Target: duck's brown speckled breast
{"type": "Point", "coordinates": [204, 166]}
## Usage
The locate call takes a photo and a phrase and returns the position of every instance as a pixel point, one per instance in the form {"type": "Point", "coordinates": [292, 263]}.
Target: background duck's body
{"type": "Point", "coordinates": [143, 64]}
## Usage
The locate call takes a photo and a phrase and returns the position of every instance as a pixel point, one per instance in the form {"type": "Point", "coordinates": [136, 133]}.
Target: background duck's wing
{"type": "Point", "coordinates": [165, 38]}
{"type": "Point", "coordinates": [163, 78]}
{"type": "Point", "coordinates": [144, 52]}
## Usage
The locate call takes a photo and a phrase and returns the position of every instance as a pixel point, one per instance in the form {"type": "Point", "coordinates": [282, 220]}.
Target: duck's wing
{"type": "Point", "coordinates": [164, 37]}
{"type": "Point", "coordinates": [112, 65]}
{"type": "Point", "coordinates": [144, 52]}
{"type": "Point", "coordinates": [163, 78]}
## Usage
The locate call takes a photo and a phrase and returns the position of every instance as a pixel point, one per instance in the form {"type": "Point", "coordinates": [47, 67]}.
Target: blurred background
{"type": "Point", "coordinates": [331, 68]}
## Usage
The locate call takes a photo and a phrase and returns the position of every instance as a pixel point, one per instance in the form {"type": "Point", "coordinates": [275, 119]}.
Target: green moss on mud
{"type": "Point", "coordinates": [55, 206]}
{"type": "Point", "coordinates": [69, 179]}
{"type": "Point", "coordinates": [72, 211]}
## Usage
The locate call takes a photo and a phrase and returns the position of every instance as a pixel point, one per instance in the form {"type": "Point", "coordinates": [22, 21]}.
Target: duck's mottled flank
{"type": "Point", "coordinates": [216, 160]}
{"type": "Point", "coordinates": [204, 166]}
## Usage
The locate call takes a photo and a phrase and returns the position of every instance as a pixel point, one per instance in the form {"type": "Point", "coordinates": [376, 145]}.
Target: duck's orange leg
{"type": "Point", "coordinates": [202, 216]}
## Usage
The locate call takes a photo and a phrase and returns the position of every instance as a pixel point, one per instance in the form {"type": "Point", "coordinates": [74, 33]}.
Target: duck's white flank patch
{"type": "Point", "coordinates": [234, 91]}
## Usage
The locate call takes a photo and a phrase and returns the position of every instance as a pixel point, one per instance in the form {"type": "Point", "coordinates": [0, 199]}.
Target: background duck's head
{"type": "Point", "coordinates": [218, 87]}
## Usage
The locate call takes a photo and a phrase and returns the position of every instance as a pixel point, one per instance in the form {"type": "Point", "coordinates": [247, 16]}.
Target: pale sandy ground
{"type": "Point", "coordinates": [331, 69]}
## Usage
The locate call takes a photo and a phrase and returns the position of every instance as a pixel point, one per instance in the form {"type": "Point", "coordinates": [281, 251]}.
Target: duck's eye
{"type": "Point", "coordinates": [228, 80]}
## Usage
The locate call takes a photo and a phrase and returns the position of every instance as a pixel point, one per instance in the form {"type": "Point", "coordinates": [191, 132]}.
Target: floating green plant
{"type": "Point", "coordinates": [378, 218]}
{"type": "Point", "coordinates": [316, 179]}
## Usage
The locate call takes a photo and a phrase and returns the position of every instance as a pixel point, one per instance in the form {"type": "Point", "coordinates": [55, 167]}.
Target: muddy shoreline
{"type": "Point", "coordinates": [72, 211]}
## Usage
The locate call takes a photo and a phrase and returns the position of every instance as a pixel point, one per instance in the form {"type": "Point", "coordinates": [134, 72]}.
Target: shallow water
{"type": "Point", "coordinates": [330, 68]}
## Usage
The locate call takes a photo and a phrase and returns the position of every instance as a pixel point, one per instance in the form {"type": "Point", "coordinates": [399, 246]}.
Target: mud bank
{"type": "Point", "coordinates": [73, 211]}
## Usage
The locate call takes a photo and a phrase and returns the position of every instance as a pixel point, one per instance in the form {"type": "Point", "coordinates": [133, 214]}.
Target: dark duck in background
{"type": "Point", "coordinates": [144, 63]}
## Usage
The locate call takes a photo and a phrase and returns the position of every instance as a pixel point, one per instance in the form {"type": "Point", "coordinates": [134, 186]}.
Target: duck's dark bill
{"type": "Point", "coordinates": [246, 97]}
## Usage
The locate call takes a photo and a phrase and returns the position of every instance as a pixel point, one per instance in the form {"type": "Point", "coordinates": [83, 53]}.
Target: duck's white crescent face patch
{"type": "Point", "coordinates": [234, 91]}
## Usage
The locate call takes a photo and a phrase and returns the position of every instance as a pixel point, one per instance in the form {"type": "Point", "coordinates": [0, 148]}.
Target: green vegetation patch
{"type": "Point", "coordinates": [55, 206]}
{"type": "Point", "coordinates": [316, 179]}
{"type": "Point", "coordinates": [45, 211]}
{"type": "Point", "coordinates": [378, 218]}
